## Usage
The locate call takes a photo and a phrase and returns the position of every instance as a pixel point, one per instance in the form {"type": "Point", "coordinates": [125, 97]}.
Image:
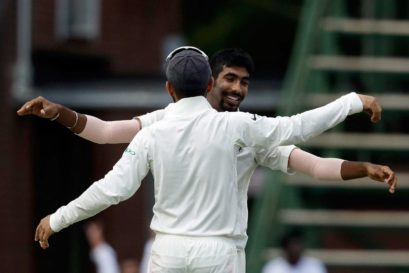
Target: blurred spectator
{"type": "Point", "coordinates": [130, 266]}
{"type": "Point", "coordinates": [147, 253]}
{"type": "Point", "coordinates": [102, 254]}
{"type": "Point", "coordinates": [293, 259]}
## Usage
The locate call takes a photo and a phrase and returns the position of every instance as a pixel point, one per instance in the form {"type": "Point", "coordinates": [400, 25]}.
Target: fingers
{"type": "Point", "coordinates": [44, 244]}
{"type": "Point", "coordinates": [39, 107]}
{"type": "Point", "coordinates": [390, 179]}
{"type": "Point", "coordinates": [393, 184]}
{"type": "Point", "coordinates": [25, 109]}
{"type": "Point", "coordinates": [383, 174]}
{"type": "Point", "coordinates": [372, 107]}
{"type": "Point", "coordinates": [388, 176]}
{"type": "Point", "coordinates": [376, 112]}
{"type": "Point", "coordinates": [40, 234]}
{"type": "Point", "coordinates": [41, 237]}
{"type": "Point", "coordinates": [43, 232]}
{"type": "Point", "coordinates": [37, 235]}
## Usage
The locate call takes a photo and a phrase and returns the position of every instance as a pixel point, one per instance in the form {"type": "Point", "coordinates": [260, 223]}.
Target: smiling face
{"type": "Point", "coordinates": [229, 89]}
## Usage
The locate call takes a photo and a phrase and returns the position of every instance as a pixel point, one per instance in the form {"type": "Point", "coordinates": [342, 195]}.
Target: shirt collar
{"type": "Point", "coordinates": [188, 106]}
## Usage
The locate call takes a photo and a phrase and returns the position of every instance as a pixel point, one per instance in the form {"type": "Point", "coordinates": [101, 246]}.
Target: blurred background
{"type": "Point", "coordinates": [105, 58]}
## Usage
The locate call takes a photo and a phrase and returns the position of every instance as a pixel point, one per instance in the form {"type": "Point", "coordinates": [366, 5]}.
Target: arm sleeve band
{"type": "Point", "coordinates": [314, 166]}
{"type": "Point", "coordinates": [110, 132]}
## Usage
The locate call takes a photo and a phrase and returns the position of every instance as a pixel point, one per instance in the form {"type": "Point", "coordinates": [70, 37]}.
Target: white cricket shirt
{"type": "Point", "coordinates": [248, 159]}
{"type": "Point", "coordinates": [192, 154]}
{"type": "Point", "coordinates": [306, 264]}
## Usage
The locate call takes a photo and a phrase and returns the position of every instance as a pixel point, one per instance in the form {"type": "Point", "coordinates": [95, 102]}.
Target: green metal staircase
{"type": "Point", "coordinates": [344, 46]}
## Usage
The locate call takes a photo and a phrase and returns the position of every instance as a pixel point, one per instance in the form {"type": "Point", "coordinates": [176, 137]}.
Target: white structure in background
{"type": "Point", "coordinates": [78, 19]}
{"type": "Point", "coordinates": [23, 71]}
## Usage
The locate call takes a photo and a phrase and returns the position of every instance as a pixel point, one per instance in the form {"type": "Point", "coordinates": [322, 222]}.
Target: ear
{"type": "Point", "coordinates": [170, 89]}
{"type": "Point", "coordinates": [210, 85]}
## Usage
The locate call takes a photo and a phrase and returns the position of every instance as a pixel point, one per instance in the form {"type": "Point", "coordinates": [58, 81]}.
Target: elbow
{"type": "Point", "coordinates": [100, 141]}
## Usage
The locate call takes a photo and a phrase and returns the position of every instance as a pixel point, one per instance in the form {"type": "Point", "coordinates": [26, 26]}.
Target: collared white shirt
{"type": "Point", "coordinates": [248, 159]}
{"type": "Point", "coordinates": [192, 154]}
{"type": "Point", "coordinates": [304, 265]}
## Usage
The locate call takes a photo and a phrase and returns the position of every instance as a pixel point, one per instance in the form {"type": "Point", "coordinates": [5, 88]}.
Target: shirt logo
{"type": "Point", "coordinates": [129, 151]}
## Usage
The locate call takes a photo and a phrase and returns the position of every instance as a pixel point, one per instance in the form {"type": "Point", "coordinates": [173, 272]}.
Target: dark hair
{"type": "Point", "coordinates": [182, 91]}
{"type": "Point", "coordinates": [290, 236]}
{"type": "Point", "coordinates": [231, 57]}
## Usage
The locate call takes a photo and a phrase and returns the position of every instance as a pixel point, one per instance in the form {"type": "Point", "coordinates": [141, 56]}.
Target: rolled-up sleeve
{"type": "Point", "coordinates": [275, 159]}
{"type": "Point", "coordinates": [150, 118]}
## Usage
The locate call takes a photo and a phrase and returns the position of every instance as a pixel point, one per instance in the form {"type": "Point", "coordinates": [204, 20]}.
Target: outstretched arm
{"type": "Point", "coordinates": [381, 173]}
{"type": "Point", "coordinates": [86, 126]}
{"type": "Point", "coordinates": [118, 185]}
{"type": "Point", "coordinates": [258, 131]}
{"type": "Point", "coordinates": [338, 169]}
{"type": "Point", "coordinates": [43, 108]}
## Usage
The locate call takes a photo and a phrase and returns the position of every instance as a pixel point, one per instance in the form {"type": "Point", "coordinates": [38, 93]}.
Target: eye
{"type": "Point", "coordinates": [230, 78]}
{"type": "Point", "coordinates": [245, 83]}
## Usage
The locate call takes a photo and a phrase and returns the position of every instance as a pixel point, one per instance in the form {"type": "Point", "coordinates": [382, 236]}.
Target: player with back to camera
{"type": "Point", "coordinates": [231, 73]}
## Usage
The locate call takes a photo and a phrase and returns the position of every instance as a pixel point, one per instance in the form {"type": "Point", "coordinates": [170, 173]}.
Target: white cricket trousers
{"type": "Point", "coordinates": [188, 254]}
{"type": "Point", "coordinates": [241, 261]}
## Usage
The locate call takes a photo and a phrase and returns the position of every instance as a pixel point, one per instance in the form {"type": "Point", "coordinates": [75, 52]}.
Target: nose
{"type": "Point", "coordinates": [237, 88]}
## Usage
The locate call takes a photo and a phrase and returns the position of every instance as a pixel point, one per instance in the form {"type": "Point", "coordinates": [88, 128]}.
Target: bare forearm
{"type": "Point", "coordinates": [43, 108]}
{"type": "Point", "coordinates": [381, 173]}
{"type": "Point", "coordinates": [72, 120]}
{"type": "Point", "coordinates": [353, 169]}
{"type": "Point", "coordinates": [88, 127]}
{"type": "Point", "coordinates": [337, 169]}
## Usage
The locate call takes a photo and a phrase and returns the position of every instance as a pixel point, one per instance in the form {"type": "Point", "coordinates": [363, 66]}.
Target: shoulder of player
{"type": "Point", "coordinates": [144, 135]}
{"type": "Point", "coordinates": [242, 116]}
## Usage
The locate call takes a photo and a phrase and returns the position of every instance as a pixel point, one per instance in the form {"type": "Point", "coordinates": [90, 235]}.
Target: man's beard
{"type": "Point", "coordinates": [230, 103]}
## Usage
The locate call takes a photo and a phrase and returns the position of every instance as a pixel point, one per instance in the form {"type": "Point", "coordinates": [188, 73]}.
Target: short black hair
{"type": "Point", "coordinates": [292, 235]}
{"type": "Point", "coordinates": [231, 57]}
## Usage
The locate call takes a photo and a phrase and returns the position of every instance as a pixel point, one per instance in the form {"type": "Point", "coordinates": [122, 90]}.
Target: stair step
{"type": "Point", "coordinates": [366, 26]}
{"type": "Point", "coordinates": [361, 64]}
{"type": "Point", "coordinates": [388, 101]}
{"type": "Point", "coordinates": [307, 181]}
{"type": "Point", "coordinates": [375, 141]}
{"type": "Point", "coordinates": [332, 257]}
{"type": "Point", "coordinates": [345, 218]}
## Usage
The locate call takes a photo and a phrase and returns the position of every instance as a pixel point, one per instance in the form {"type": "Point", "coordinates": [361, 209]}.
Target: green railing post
{"type": "Point", "coordinates": [294, 82]}
{"type": "Point", "coordinates": [263, 215]}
